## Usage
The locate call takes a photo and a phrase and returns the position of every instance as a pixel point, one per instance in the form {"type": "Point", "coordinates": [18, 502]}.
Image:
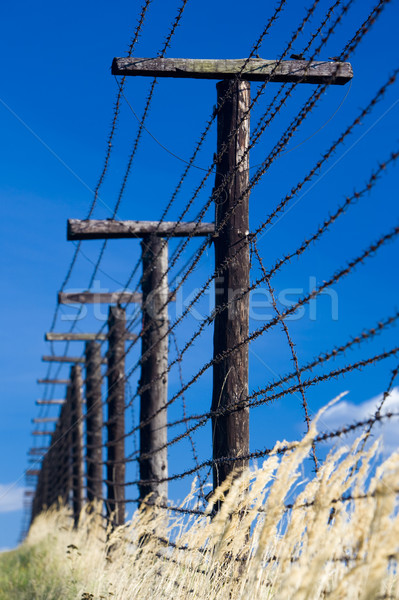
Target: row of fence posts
{"type": "Point", "coordinates": [231, 432]}
{"type": "Point", "coordinates": [61, 474]}
{"type": "Point", "coordinates": [61, 477]}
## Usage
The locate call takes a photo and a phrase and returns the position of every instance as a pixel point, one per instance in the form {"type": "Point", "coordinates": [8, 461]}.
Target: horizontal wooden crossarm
{"type": "Point", "coordinates": [68, 359]}
{"type": "Point", "coordinates": [256, 69]}
{"type": "Point", "coordinates": [42, 432]}
{"type": "Point", "coordinates": [32, 472]}
{"type": "Point", "coordinates": [63, 359]}
{"type": "Point", "coordinates": [45, 420]}
{"type": "Point", "coordinates": [99, 297]}
{"type": "Point", "coordinates": [82, 337]}
{"type": "Point", "coordinates": [54, 381]}
{"type": "Point", "coordinates": [49, 402]}
{"type": "Point", "coordinates": [36, 451]}
{"type": "Point", "coordinates": [92, 229]}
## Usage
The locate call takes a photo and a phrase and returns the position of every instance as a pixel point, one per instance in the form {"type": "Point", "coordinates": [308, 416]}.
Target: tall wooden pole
{"type": "Point", "coordinates": [45, 483]}
{"type": "Point", "coordinates": [77, 441]}
{"type": "Point", "coordinates": [116, 416]}
{"type": "Point", "coordinates": [94, 421]}
{"type": "Point", "coordinates": [154, 362]}
{"type": "Point", "coordinates": [230, 374]}
{"type": "Point", "coordinates": [54, 466]}
{"type": "Point", "coordinates": [65, 449]}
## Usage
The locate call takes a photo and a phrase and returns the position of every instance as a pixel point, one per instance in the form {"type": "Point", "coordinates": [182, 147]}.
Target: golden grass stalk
{"type": "Point", "coordinates": [326, 546]}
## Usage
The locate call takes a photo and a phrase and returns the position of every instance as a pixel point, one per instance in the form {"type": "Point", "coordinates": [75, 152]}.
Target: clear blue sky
{"type": "Point", "coordinates": [56, 106]}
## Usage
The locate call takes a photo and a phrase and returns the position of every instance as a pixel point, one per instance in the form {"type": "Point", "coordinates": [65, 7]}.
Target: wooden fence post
{"type": "Point", "coordinates": [153, 435]}
{"type": "Point", "coordinates": [94, 421]}
{"type": "Point", "coordinates": [76, 414]}
{"type": "Point", "coordinates": [54, 466]}
{"type": "Point", "coordinates": [230, 374]}
{"type": "Point", "coordinates": [65, 449]}
{"type": "Point", "coordinates": [116, 416]}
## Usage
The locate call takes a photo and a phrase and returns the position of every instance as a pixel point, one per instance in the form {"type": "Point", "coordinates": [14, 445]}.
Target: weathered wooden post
{"type": "Point", "coordinates": [54, 474]}
{"type": "Point", "coordinates": [66, 450]}
{"type": "Point", "coordinates": [45, 475]}
{"type": "Point", "coordinates": [154, 378]}
{"type": "Point", "coordinates": [94, 421]}
{"type": "Point", "coordinates": [116, 416]}
{"type": "Point", "coordinates": [76, 415]}
{"type": "Point", "coordinates": [49, 474]}
{"type": "Point", "coordinates": [230, 374]}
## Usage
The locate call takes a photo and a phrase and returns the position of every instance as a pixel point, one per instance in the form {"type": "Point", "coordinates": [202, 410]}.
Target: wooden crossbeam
{"type": "Point", "coordinates": [41, 402]}
{"type": "Point", "coordinates": [32, 472]}
{"type": "Point", "coordinates": [98, 297]}
{"type": "Point", "coordinates": [255, 69]}
{"type": "Point", "coordinates": [42, 432]}
{"type": "Point", "coordinates": [36, 451]}
{"type": "Point", "coordinates": [63, 359]}
{"type": "Point", "coordinates": [81, 337]}
{"type": "Point", "coordinates": [68, 359]}
{"type": "Point", "coordinates": [45, 420]}
{"type": "Point", "coordinates": [55, 381]}
{"type": "Point", "coordinates": [109, 229]}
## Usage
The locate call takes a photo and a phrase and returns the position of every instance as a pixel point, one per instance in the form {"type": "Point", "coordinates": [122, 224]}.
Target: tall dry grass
{"type": "Point", "coordinates": [254, 547]}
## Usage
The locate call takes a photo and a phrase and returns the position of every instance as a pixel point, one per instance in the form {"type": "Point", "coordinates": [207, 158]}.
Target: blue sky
{"type": "Point", "coordinates": [56, 107]}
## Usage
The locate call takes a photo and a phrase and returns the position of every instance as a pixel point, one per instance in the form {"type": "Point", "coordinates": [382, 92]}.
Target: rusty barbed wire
{"type": "Point", "coordinates": [280, 207]}
{"type": "Point", "coordinates": [216, 194]}
{"type": "Point", "coordinates": [385, 395]}
{"type": "Point", "coordinates": [165, 46]}
{"type": "Point", "coordinates": [190, 437]}
{"type": "Point", "coordinates": [279, 450]}
{"type": "Point", "coordinates": [322, 358]}
{"type": "Point", "coordinates": [345, 8]}
{"type": "Point", "coordinates": [100, 181]}
{"type": "Point", "coordinates": [162, 52]}
{"type": "Point", "coordinates": [358, 36]}
{"type": "Point", "coordinates": [251, 402]}
{"type": "Point", "coordinates": [183, 245]}
{"type": "Point", "coordinates": [373, 249]}
{"type": "Point", "coordinates": [374, 177]}
{"type": "Point", "coordinates": [294, 356]}
{"type": "Point", "coordinates": [369, 251]}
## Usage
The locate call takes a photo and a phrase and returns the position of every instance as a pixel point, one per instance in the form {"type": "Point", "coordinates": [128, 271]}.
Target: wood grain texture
{"type": "Point", "coordinates": [230, 375]}
{"type": "Point", "coordinates": [98, 298]}
{"type": "Point", "coordinates": [94, 421]}
{"type": "Point", "coordinates": [82, 337]}
{"type": "Point", "coordinates": [256, 69]}
{"type": "Point", "coordinates": [110, 229]}
{"type": "Point", "coordinates": [116, 467]}
{"type": "Point", "coordinates": [76, 424]}
{"type": "Point", "coordinates": [154, 363]}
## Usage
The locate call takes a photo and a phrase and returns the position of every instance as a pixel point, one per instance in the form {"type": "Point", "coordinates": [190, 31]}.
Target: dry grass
{"type": "Point", "coordinates": [307, 552]}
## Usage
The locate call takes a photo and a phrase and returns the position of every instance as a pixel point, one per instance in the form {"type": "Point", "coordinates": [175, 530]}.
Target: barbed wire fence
{"type": "Point", "coordinates": [90, 456]}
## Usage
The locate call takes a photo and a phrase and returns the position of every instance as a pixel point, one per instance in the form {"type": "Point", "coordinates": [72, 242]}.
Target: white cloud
{"type": "Point", "coordinates": [11, 498]}
{"type": "Point", "coordinates": [346, 413]}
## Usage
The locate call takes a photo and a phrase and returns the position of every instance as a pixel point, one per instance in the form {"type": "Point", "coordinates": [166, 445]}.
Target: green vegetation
{"type": "Point", "coordinates": [29, 574]}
